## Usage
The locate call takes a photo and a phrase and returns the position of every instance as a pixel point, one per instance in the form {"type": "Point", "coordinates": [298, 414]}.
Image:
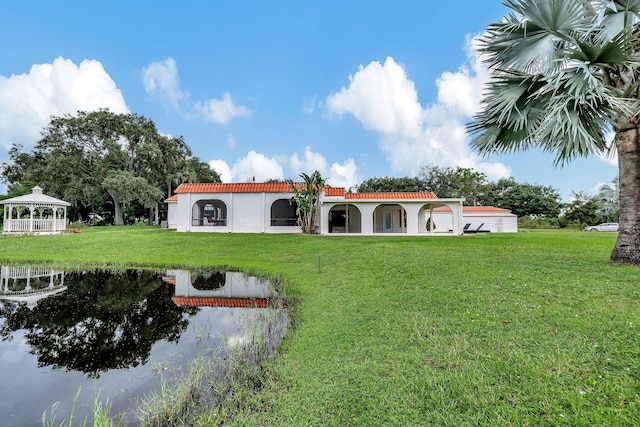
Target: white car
{"type": "Point", "coordinates": [607, 226]}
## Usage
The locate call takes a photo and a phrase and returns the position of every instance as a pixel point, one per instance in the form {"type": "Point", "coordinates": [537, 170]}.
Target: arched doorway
{"type": "Point", "coordinates": [345, 219]}
{"type": "Point", "coordinates": [283, 213]}
{"type": "Point", "coordinates": [389, 218]}
{"type": "Point", "coordinates": [209, 213]}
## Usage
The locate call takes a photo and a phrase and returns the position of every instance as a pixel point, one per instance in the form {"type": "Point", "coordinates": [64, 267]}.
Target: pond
{"type": "Point", "coordinates": [69, 339]}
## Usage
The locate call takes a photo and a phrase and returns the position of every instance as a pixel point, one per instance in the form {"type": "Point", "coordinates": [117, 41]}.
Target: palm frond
{"type": "Point", "coordinates": [556, 83]}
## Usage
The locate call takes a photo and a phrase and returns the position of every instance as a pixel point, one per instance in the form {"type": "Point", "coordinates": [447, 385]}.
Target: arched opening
{"type": "Point", "coordinates": [209, 213]}
{"type": "Point", "coordinates": [389, 218]}
{"type": "Point", "coordinates": [209, 281]}
{"type": "Point", "coordinates": [435, 218]}
{"type": "Point", "coordinates": [42, 216]}
{"type": "Point", "coordinates": [23, 212]}
{"type": "Point", "coordinates": [345, 219]}
{"type": "Point", "coordinates": [283, 213]}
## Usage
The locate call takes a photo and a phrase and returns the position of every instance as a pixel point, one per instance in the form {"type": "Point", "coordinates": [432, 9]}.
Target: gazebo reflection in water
{"type": "Point", "coordinates": [29, 284]}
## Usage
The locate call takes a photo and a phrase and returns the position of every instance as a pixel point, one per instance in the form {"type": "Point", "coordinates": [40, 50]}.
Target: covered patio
{"type": "Point", "coordinates": [34, 213]}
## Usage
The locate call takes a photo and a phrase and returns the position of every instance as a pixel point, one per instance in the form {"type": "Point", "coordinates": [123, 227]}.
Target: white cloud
{"type": "Point", "coordinates": [221, 110]}
{"type": "Point", "coordinates": [161, 79]}
{"type": "Point", "coordinates": [222, 168]}
{"type": "Point", "coordinates": [337, 175]}
{"type": "Point", "coordinates": [254, 166]}
{"type": "Point", "coordinates": [384, 100]}
{"type": "Point", "coordinates": [231, 141]}
{"type": "Point", "coordinates": [461, 91]}
{"type": "Point", "coordinates": [309, 162]}
{"type": "Point", "coordinates": [263, 168]}
{"type": "Point", "coordinates": [344, 175]}
{"type": "Point", "coordinates": [309, 105]}
{"type": "Point", "coordinates": [27, 101]}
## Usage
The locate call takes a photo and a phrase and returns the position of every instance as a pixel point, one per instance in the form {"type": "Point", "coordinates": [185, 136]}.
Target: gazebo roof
{"type": "Point", "coordinates": [36, 197]}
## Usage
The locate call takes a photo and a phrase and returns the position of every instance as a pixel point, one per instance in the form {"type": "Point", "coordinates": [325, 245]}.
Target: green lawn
{"type": "Point", "coordinates": [534, 328]}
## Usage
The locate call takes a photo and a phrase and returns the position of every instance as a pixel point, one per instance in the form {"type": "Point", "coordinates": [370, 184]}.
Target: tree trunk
{"type": "Point", "coordinates": [117, 214]}
{"type": "Point", "coordinates": [157, 213]}
{"type": "Point", "coordinates": [627, 249]}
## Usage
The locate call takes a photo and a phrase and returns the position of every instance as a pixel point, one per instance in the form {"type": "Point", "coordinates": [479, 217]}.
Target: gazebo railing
{"type": "Point", "coordinates": [22, 225]}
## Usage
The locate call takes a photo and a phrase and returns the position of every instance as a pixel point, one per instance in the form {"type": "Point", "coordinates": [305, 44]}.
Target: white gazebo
{"type": "Point", "coordinates": [34, 213]}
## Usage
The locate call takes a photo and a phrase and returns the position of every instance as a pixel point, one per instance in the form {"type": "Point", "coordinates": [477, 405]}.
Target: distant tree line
{"type": "Point", "coordinates": [113, 167]}
{"type": "Point", "coordinates": [536, 205]}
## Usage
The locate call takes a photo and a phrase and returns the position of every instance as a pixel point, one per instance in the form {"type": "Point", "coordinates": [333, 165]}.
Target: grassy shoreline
{"type": "Point", "coordinates": [534, 328]}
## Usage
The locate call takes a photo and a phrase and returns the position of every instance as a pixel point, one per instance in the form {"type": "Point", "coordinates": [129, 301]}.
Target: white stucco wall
{"type": "Point", "coordinates": [237, 285]}
{"type": "Point", "coordinates": [251, 213]}
{"type": "Point", "coordinates": [246, 213]}
{"type": "Point", "coordinates": [172, 214]}
{"type": "Point", "coordinates": [494, 222]}
{"type": "Point", "coordinates": [373, 211]}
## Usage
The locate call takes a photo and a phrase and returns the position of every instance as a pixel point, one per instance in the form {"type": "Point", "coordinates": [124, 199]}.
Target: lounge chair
{"type": "Point", "coordinates": [477, 230]}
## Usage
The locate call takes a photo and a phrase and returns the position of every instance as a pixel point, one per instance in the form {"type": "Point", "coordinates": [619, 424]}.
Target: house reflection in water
{"type": "Point", "coordinates": [230, 289]}
{"type": "Point", "coordinates": [29, 284]}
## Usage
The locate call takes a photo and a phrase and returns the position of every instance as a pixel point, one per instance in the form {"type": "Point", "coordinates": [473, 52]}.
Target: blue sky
{"type": "Point", "coordinates": [271, 89]}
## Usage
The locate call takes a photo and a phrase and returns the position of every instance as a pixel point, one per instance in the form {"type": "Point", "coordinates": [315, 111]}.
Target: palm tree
{"type": "Point", "coordinates": [307, 198]}
{"type": "Point", "coordinates": [608, 198]}
{"type": "Point", "coordinates": [564, 74]}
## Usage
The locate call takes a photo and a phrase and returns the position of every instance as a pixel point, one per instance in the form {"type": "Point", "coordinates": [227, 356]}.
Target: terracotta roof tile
{"type": "Point", "coordinates": [169, 280]}
{"type": "Point", "coordinates": [389, 196]}
{"type": "Point", "coordinates": [249, 187]}
{"type": "Point", "coordinates": [283, 187]}
{"type": "Point", "coordinates": [220, 302]}
{"type": "Point", "coordinates": [173, 198]}
{"type": "Point", "coordinates": [334, 191]}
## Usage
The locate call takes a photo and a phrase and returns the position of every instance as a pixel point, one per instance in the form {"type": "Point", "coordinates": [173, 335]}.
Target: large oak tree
{"type": "Point", "coordinates": [100, 161]}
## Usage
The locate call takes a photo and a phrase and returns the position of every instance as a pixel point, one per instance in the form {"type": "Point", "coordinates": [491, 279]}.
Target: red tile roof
{"type": "Point", "coordinates": [249, 187]}
{"type": "Point", "coordinates": [220, 302]}
{"type": "Point", "coordinates": [334, 191]}
{"type": "Point", "coordinates": [389, 196]}
{"type": "Point", "coordinates": [173, 198]}
{"type": "Point", "coordinates": [283, 187]}
{"type": "Point", "coordinates": [169, 280]}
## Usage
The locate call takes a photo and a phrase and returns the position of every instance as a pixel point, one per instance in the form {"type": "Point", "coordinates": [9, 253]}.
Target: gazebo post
{"type": "Point", "coordinates": [30, 218]}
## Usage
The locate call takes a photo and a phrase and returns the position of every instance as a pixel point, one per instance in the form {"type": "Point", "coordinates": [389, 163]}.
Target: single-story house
{"type": "Point", "coordinates": [480, 219]}
{"type": "Point", "coordinates": [269, 208]}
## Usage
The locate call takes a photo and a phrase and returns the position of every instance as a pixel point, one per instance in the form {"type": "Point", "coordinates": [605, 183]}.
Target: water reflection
{"type": "Point", "coordinates": [29, 284]}
{"type": "Point", "coordinates": [110, 330]}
